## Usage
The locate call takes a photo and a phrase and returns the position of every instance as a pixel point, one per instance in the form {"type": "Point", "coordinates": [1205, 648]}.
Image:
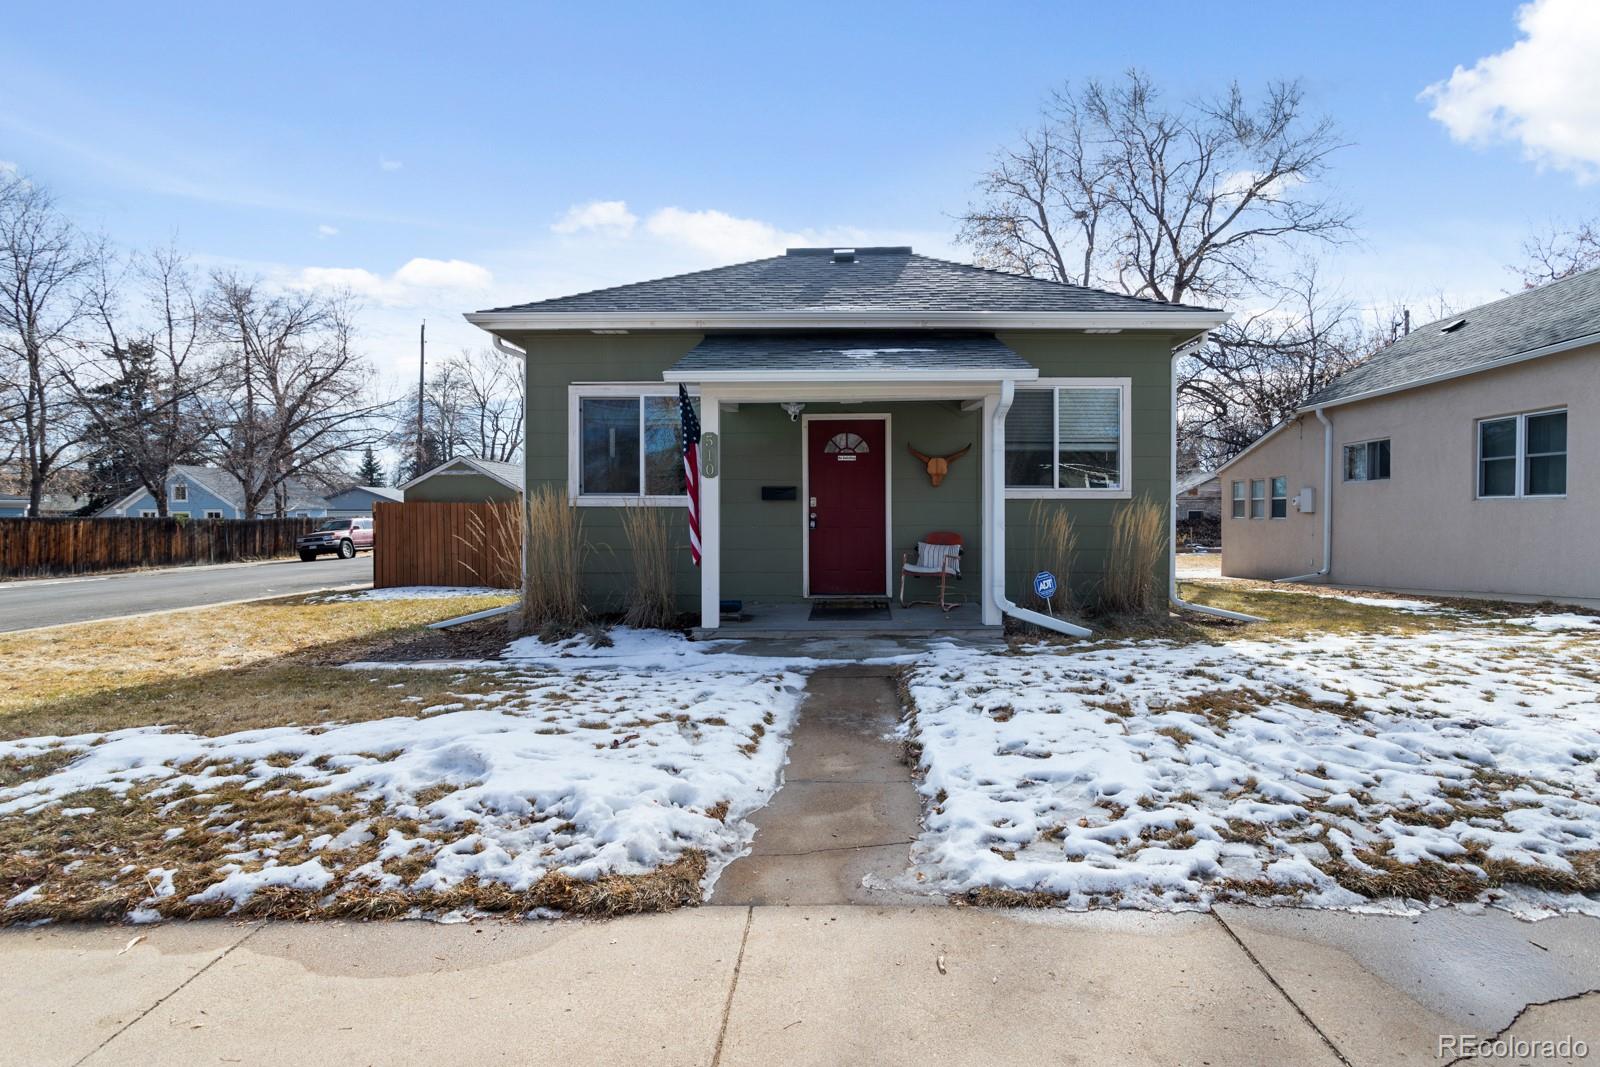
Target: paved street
{"type": "Point", "coordinates": [51, 601]}
{"type": "Point", "coordinates": [803, 985]}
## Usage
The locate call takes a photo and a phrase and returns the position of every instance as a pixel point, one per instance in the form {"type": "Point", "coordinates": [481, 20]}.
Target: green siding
{"type": "Point", "coordinates": [460, 489]}
{"type": "Point", "coordinates": [1147, 360]}
{"type": "Point", "coordinates": [761, 540]}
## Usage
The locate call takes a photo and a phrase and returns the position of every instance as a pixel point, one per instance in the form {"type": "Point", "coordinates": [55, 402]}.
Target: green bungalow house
{"type": "Point", "coordinates": [852, 402]}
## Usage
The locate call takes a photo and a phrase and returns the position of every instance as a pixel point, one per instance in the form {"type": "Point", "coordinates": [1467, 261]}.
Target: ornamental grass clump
{"type": "Point", "coordinates": [1138, 541]}
{"type": "Point", "coordinates": [552, 600]}
{"type": "Point", "coordinates": [1055, 550]}
{"type": "Point", "coordinates": [650, 601]}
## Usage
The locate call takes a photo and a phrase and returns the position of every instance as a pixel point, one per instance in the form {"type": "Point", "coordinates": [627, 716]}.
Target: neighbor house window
{"type": "Point", "coordinates": [1280, 498]}
{"type": "Point", "coordinates": [213, 514]}
{"type": "Point", "coordinates": [1068, 437]}
{"type": "Point", "coordinates": [1367, 461]}
{"type": "Point", "coordinates": [148, 513]}
{"type": "Point", "coordinates": [1238, 500]}
{"type": "Point", "coordinates": [1523, 455]}
{"type": "Point", "coordinates": [625, 445]}
{"type": "Point", "coordinates": [1258, 498]}
{"type": "Point", "coordinates": [180, 492]}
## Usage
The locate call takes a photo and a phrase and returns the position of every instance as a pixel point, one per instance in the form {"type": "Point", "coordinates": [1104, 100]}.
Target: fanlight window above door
{"type": "Point", "coordinates": [846, 446]}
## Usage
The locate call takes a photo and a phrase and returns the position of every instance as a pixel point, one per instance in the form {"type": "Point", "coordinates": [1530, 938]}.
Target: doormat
{"type": "Point", "coordinates": [851, 610]}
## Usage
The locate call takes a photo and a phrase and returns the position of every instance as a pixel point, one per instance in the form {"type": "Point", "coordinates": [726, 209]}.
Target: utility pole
{"type": "Point", "coordinates": [422, 378]}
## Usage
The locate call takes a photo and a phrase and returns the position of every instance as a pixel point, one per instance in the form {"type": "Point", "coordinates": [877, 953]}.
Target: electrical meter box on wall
{"type": "Point", "coordinates": [1306, 502]}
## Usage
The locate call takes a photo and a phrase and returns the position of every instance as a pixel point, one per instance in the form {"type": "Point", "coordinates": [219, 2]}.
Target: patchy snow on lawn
{"type": "Point", "coordinates": [418, 592]}
{"type": "Point", "coordinates": [584, 761]}
{"type": "Point", "coordinates": [1457, 764]}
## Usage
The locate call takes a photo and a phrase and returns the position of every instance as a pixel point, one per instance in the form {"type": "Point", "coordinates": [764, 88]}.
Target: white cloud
{"type": "Point", "coordinates": [7, 167]}
{"type": "Point", "coordinates": [721, 235]}
{"type": "Point", "coordinates": [420, 281]}
{"type": "Point", "coordinates": [327, 231]}
{"type": "Point", "coordinates": [389, 164]}
{"type": "Point", "coordinates": [606, 216]}
{"type": "Point", "coordinates": [1543, 91]}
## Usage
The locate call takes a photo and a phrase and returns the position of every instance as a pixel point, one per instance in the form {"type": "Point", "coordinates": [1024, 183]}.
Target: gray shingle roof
{"type": "Point", "coordinates": [876, 279]}
{"type": "Point", "coordinates": [1526, 321]}
{"type": "Point", "coordinates": [220, 483]}
{"type": "Point", "coordinates": [855, 352]}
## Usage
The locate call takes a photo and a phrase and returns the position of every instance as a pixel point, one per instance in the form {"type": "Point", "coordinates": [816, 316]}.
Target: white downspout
{"type": "Point", "coordinates": [1172, 512]}
{"type": "Point", "coordinates": [1327, 504]}
{"type": "Point", "coordinates": [506, 347]}
{"type": "Point", "coordinates": [996, 534]}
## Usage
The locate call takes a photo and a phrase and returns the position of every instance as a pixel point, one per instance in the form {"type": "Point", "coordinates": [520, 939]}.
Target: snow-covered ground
{"type": "Point", "coordinates": [417, 592]}
{"type": "Point", "coordinates": [612, 760]}
{"type": "Point", "coordinates": [1151, 774]}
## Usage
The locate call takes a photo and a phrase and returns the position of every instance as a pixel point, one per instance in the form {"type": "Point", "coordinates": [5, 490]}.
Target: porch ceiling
{"type": "Point", "coordinates": [849, 356]}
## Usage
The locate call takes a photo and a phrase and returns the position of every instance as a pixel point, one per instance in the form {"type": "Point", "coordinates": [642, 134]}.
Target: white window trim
{"type": "Point", "coordinates": [148, 513]}
{"type": "Point", "coordinates": [1124, 491]}
{"type": "Point", "coordinates": [575, 393]}
{"type": "Point", "coordinates": [1273, 497]}
{"type": "Point", "coordinates": [1241, 498]}
{"type": "Point", "coordinates": [1344, 454]}
{"type": "Point", "coordinates": [1521, 456]}
{"type": "Point", "coordinates": [180, 492]}
{"type": "Point", "coordinates": [1252, 498]}
{"type": "Point", "coordinates": [213, 513]}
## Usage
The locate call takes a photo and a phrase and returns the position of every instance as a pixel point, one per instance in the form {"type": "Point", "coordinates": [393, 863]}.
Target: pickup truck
{"type": "Point", "coordinates": [341, 537]}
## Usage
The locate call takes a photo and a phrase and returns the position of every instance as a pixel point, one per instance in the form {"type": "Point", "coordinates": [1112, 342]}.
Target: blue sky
{"type": "Point", "coordinates": [323, 144]}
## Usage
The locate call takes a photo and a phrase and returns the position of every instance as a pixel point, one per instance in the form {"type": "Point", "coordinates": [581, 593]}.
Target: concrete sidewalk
{"type": "Point", "coordinates": [802, 985]}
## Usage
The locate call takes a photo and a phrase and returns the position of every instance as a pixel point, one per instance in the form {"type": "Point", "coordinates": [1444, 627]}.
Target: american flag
{"type": "Point", "coordinates": [691, 468]}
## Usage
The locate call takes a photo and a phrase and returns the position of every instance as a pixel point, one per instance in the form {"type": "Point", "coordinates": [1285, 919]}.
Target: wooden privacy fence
{"type": "Point", "coordinates": [447, 544]}
{"type": "Point", "coordinates": [73, 546]}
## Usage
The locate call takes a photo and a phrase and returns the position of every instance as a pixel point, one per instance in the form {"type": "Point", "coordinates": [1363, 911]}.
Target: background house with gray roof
{"type": "Point", "coordinates": [827, 382]}
{"type": "Point", "coordinates": [1464, 457]}
{"type": "Point", "coordinates": [199, 492]}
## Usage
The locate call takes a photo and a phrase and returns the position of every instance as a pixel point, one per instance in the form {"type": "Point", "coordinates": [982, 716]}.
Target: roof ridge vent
{"type": "Point", "coordinates": [844, 255]}
{"type": "Point", "coordinates": [1452, 327]}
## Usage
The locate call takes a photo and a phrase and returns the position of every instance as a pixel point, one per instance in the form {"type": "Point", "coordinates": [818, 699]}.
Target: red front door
{"type": "Point", "coordinates": [848, 514]}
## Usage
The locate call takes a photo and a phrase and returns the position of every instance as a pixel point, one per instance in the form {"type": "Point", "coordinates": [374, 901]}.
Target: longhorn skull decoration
{"type": "Point", "coordinates": [939, 466]}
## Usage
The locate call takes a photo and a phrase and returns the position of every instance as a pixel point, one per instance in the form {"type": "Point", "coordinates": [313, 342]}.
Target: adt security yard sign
{"type": "Point", "coordinates": [1044, 584]}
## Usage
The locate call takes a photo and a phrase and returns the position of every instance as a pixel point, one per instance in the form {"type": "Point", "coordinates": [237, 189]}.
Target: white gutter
{"type": "Point", "coordinates": [1327, 504]}
{"type": "Point", "coordinates": [997, 536]}
{"type": "Point", "coordinates": [844, 318]}
{"type": "Point", "coordinates": [1172, 510]}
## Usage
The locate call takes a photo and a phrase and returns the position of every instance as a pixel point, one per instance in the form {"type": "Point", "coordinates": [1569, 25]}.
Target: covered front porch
{"type": "Point", "coordinates": [819, 476]}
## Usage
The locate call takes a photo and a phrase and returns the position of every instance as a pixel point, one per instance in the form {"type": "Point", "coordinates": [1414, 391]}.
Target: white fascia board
{"type": "Point", "coordinates": [899, 374]}
{"type": "Point", "coordinates": [499, 321]}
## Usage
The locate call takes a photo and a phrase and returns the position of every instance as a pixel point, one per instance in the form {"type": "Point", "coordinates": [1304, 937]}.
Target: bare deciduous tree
{"type": "Point", "coordinates": [1115, 188]}
{"type": "Point", "coordinates": [1559, 252]}
{"type": "Point", "coordinates": [293, 394]}
{"type": "Point", "coordinates": [473, 406]}
{"type": "Point", "coordinates": [43, 268]}
{"type": "Point", "coordinates": [144, 395]}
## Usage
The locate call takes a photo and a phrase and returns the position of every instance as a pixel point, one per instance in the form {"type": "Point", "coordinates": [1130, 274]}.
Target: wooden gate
{"type": "Point", "coordinates": [447, 544]}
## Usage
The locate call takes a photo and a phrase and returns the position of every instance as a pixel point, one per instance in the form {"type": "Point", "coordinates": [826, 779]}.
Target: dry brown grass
{"type": "Point", "coordinates": [95, 866]}
{"type": "Point", "coordinates": [1055, 550]}
{"type": "Point", "coordinates": [552, 600]}
{"type": "Point", "coordinates": [650, 601]}
{"type": "Point", "coordinates": [182, 665]}
{"type": "Point", "coordinates": [1138, 545]}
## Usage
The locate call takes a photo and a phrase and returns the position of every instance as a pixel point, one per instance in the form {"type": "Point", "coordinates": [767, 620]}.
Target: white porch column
{"type": "Point", "coordinates": [711, 517]}
{"type": "Point", "coordinates": [994, 512]}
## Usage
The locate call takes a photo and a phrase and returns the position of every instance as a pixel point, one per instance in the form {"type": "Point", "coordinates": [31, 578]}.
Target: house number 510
{"type": "Point", "coordinates": [708, 455]}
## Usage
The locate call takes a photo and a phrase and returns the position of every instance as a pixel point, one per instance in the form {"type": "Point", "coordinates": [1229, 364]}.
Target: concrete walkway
{"type": "Point", "coordinates": [840, 829]}
{"type": "Point", "coordinates": [801, 985]}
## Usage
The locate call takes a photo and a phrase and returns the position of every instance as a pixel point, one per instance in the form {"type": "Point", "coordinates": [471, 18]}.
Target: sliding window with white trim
{"type": "Point", "coordinates": [625, 445]}
{"type": "Point", "coordinates": [1070, 438]}
{"type": "Point", "coordinates": [1523, 455]}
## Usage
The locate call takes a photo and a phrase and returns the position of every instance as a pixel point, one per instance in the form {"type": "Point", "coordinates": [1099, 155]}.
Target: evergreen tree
{"type": "Point", "coordinates": [371, 471]}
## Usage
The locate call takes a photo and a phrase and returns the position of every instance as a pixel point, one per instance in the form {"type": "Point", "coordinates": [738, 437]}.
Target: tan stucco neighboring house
{"type": "Point", "coordinates": [1465, 457]}
{"type": "Point", "coordinates": [466, 480]}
